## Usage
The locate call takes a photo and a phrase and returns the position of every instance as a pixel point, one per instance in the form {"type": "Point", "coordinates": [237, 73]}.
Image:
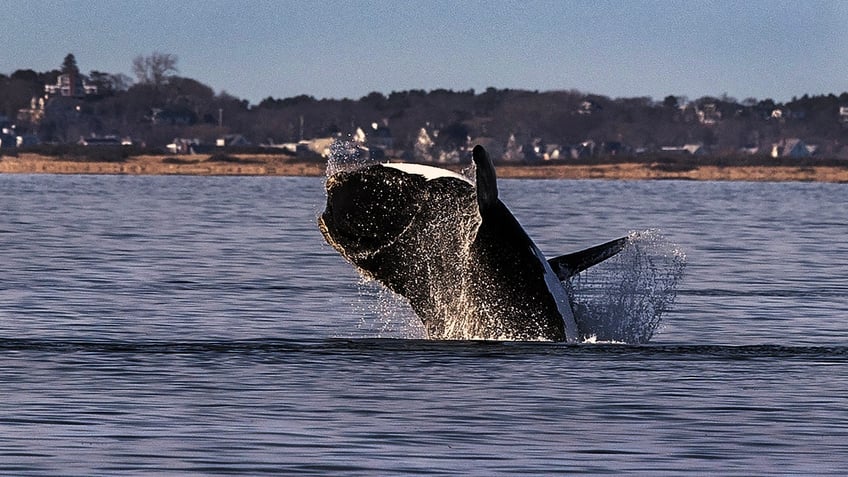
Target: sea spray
{"type": "Point", "coordinates": [347, 155]}
{"type": "Point", "coordinates": [385, 314]}
{"type": "Point", "coordinates": [623, 298]}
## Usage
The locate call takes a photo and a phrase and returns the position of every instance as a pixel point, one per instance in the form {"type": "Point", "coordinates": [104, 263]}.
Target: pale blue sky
{"type": "Point", "coordinates": [254, 49]}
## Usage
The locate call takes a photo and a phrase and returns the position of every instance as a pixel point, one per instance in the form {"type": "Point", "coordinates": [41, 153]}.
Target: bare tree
{"type": "Point", "coordinates": [154, 69]}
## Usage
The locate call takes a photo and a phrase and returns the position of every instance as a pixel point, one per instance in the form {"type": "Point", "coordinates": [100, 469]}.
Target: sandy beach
{"type": "Point", "coordinates": [276, 165]}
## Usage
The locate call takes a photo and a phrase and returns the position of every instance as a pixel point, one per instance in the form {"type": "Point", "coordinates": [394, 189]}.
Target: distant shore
{"type": "Point", "coordinates": [276, 165]}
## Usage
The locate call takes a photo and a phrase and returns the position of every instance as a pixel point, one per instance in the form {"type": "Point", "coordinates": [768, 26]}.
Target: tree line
{"type": "Point", "coordinates": [159, 105]}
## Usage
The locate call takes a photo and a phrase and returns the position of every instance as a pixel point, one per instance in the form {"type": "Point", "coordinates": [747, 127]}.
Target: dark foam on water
{"type": "Point", "coordinates": [453, 348]}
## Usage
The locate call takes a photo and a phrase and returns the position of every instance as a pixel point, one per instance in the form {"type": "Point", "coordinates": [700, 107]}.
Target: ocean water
{"type": "Point", "coordinates": [200, 326]}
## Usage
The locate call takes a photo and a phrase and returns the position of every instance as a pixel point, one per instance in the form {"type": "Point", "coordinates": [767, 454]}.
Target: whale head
{"type": "Point", "coordinates": [368, 208]}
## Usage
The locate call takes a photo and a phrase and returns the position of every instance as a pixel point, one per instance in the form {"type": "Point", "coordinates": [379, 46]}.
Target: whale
{"type": "Point", "coordinates": [448, 244]}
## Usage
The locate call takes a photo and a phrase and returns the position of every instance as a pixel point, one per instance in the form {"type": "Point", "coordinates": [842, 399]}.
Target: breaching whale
{"type": "Point", "coordinates": [454, 251]}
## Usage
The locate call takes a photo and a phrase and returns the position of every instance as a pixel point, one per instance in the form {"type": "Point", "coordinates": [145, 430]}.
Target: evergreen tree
{"type": "Point", "coordinates": [69, 66]}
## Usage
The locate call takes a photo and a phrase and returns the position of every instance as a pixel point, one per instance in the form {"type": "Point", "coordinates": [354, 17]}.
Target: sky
{"type": "Point", "coordinates": [253, 49]}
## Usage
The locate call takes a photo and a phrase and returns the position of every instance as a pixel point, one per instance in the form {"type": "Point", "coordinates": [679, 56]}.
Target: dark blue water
{"type": "Point", "coordinates": [200, 326]}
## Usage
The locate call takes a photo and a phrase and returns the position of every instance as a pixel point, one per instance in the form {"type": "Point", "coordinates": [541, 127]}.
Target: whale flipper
{"type": "Point", "coordinates": [487, 185]}
{"type": "Point", "coordinates": [566, 266]}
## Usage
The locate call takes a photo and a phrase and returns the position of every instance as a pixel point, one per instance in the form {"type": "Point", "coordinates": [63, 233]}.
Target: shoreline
{"type": "Point", "coordinates": [276, 165]}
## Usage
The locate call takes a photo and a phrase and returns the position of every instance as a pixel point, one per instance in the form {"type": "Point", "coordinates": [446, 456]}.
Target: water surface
{"type": "Point", "coordinates": [200, 326]}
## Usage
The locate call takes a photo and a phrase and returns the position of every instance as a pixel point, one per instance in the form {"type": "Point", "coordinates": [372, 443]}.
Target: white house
{"type": "Point", "coordinates": [70, 85]}
{"type": "Point", "coordinates": [793, 147]}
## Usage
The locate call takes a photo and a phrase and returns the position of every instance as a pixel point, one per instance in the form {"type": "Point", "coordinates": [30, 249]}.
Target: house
{"type": "Point", "coordinates": [534, 150]}
{"type": "Point", "coordinates": [552, 152]}
{"type": "Point", "coordinates": [583, 150]}
{"type": "Point", "coordinates": [182, 145]}
{"type": "Point", "coordinates": [27, 140]}
{"type": "Point", "coordinates": [232, 140]}
{"type": "Point", "coordinates": [793, 147]}
{"type": "Point", "coordinates": [843, 114]}
{"type": "Point", "coordinates": [422, 150]}
{"type": "Point", "coordinates": [100, 141]}
{"type": "Point", "coordinates": [285, 147]}
{"type": "Point", "coordinates": [512, 151]}
{"type": "Point", "coordinates": [749, 149]}
{"type": "Point", "coordinates": [686, 149]}
{"type": "Point", "coordinates": [35, 113]}
{"type": "Point", "coordinates": [70, 85]}
{"type": "Point", "coordinates": [695, 149]}
{"type": "Point", "coordinates": [588, 107]}
{"type": "Point", "coordinates": [709, 114]}
{"type": "Point", "coordinates": [319, 146]}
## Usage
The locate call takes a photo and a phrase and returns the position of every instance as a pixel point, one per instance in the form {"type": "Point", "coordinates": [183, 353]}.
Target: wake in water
{"type": "Point", "coordinates": [623, 298]}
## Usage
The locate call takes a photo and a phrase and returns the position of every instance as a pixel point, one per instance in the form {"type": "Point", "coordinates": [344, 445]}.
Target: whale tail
{"type": "Point", "coordinates": [566, 266]}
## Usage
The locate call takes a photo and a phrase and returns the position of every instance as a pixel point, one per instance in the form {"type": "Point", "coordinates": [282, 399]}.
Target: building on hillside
{"type": "Point", "coordinates": [70, 85]}
{"type": "Point", "coordinates": [709, 114]}
{"type": "Point", "coordinates": [35, 113]}
{"type": "Point", "coordinates": [588, 107]}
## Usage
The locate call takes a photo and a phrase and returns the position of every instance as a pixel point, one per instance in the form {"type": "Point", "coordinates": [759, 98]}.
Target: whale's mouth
{"type": "Point", "coordinates": [368, 208]}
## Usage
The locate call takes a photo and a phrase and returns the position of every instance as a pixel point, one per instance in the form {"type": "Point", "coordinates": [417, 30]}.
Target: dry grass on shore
{"type": "Point", "coordinates": [26, 163]}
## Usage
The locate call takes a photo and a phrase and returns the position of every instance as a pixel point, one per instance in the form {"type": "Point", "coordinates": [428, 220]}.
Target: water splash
{"type": "Point", "coordinates": [347, 155]}
{"type": "Point", "coordinates": [385, 314]}
{"type": "Point", "coordinates": [622, 299]}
